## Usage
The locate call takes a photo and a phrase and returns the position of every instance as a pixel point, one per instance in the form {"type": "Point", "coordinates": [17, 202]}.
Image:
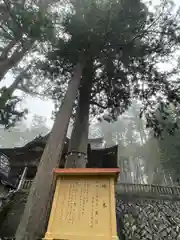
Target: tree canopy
{"type": "Point", "coordinates": [26, 27]}
{"type": "Point", "coordinates": [125, 41]}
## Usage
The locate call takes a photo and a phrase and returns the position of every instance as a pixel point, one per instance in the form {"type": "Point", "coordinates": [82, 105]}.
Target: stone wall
{"type": "Point", "coordinates": [149, 219]}
{"type": "Point", "coordinates": [3, 190]}
{"type": "Point", "coordinates": [148, 212]}
{"type": "Point", "coordinates": [11, 222]}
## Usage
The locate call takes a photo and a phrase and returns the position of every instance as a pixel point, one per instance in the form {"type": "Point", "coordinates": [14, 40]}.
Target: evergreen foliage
{"type": "Point", "coordinates": [125, 42]}
{"type": "Point", "coordinates": [25, 29]}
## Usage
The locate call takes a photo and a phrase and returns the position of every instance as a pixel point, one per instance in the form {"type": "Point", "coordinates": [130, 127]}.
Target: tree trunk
{"type": "Point", "coordinates": [34, 219]}
{"type": "Point", "coordinates": [77, 152]}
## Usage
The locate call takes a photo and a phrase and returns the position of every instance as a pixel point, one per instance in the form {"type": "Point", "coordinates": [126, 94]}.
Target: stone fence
{"type": "Point", "coordinates": [148, 191]}
{"type": "Point", "coordinates": [142, 190]}
{"type": "Point", "coordinates": [26, 185]}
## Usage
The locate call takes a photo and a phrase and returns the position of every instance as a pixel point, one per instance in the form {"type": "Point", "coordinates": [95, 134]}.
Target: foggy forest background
{"type": "Point", "coordinates": [142, 157]}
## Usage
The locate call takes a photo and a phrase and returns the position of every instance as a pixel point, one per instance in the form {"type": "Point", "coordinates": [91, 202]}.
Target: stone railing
{"type": "Point", "coordinates": [148, 191]}
{"type": "Point", "coordinates": [141, 190]}
{"type": "Point", "coordinates": [26, 184]}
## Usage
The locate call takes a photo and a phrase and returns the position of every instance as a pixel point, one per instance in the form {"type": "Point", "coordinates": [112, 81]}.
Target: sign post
{"type": "Point", "coordinates": [84, 205]}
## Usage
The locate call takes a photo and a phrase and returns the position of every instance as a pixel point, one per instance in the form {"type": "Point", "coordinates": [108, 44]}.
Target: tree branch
{"type": "Point", "coordinates": [5, 52]}
{"type": "Point", "coordinates": [98, 104]}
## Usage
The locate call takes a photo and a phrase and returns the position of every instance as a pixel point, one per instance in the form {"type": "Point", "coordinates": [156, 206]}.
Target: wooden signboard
{"type": "Point", "coordinates": [84, 205]}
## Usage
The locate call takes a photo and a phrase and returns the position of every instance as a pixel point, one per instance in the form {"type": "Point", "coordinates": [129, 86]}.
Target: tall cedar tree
{"type": "Point", "coordinates": [123, 44]}
{"type": "Point", "coordinates": [39, 199]}
{"type": "Point", "coordinates": [167, 118]}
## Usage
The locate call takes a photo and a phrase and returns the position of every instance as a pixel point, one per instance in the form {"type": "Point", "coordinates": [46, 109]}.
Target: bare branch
{"type": "Point", "coordinates": [98, 104]}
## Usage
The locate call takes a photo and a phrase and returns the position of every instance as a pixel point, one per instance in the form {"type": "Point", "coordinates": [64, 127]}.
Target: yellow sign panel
{"type": "Point", "coordinates": [83, 207]}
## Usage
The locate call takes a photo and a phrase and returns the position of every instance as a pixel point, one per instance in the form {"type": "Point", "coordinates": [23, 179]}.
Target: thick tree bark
{"type": "Point", "coordinates": [77, 152]}
{"type": "Point", "coordinates": [34, 219]}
